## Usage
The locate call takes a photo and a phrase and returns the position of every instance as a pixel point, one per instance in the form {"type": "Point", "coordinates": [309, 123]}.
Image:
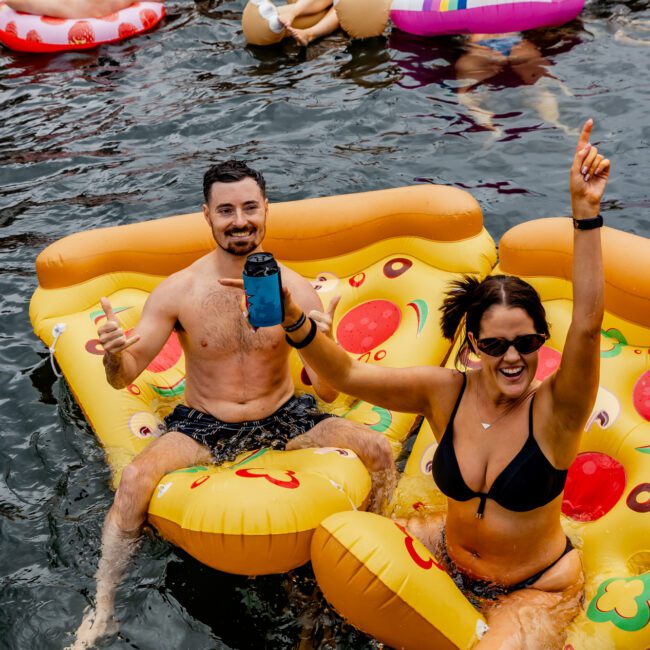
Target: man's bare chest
{"type": "Point", "coordinates": [211, 324]}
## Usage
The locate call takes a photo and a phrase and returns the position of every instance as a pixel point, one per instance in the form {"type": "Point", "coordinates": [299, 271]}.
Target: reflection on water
{"type": "Point", "coordinates": [125, 132]}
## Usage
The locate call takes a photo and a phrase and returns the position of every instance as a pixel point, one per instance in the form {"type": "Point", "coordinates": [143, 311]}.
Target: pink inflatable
{"type": "Point", "coordinates": [29, 33]}
{"type": "Point", "coordinates": [431, 17]}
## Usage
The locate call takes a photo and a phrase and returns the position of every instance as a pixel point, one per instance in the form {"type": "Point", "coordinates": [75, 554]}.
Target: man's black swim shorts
{"type": "Point", "coordinates": [229, 439]}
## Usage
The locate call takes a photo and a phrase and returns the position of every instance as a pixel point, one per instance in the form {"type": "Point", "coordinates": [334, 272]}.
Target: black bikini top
{"type": "Point", "coordinates": [529, 480]}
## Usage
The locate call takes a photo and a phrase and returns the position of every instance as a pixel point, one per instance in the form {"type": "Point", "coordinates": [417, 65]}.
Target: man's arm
{"type": "Point", "coordinates": [125, 357]}
{"type": "Point", "coordinates": [70, 8]}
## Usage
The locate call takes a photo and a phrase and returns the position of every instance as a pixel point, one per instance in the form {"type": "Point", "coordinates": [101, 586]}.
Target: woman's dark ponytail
{"type": "Point", "coordinates": [458, 299]}
{"type": "Point", "coordinates": [469, 298]}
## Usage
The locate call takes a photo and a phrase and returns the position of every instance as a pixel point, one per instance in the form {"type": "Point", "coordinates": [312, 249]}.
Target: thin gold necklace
{"type": "Point", "coordinates": [508, 409]}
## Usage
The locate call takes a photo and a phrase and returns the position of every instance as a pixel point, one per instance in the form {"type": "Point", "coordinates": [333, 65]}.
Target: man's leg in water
{"type": "Point", "coordinates": [125, 518]}
{"type": "Point", "coordinates": [373, 449]}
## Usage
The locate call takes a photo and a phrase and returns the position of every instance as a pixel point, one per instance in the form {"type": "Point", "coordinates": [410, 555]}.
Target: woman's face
{"type": "Point", "coordinates": [512, 372]}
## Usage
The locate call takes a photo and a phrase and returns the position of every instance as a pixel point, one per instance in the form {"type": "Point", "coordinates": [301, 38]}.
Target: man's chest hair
{"type": "Point", "coordinates": [213, 322]}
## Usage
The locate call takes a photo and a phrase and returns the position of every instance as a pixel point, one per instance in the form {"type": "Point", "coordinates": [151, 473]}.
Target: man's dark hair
{"type": "Point", "coordinates": [230, 171]}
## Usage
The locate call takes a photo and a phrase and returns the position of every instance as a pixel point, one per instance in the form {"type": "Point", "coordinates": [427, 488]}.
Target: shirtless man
{"type": "Point", "coordinates": [234, 375]}
{"type": "Point", "coordinates": [70, 8]}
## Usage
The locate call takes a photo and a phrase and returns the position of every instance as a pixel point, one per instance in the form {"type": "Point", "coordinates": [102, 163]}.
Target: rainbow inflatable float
{"type": "Point", "coordinates": [433, 17]}
{"type": "Point", "coordinates": [367, 18]}
{"type": "Point", "coordinates": [360, 558]}
{"type": "Point", "coordinates": [29, 33]}
{"type": "Point", "coordinates": [388, 253]}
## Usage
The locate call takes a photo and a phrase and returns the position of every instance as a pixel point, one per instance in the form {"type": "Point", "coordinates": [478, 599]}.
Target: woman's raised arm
{"type": "Point", "coordinates": [408, 390]}
{"type": "Point", "coordinates": [575, 385]}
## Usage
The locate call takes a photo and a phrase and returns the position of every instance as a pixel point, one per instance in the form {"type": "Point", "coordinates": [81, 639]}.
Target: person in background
{"type": "Point", "coordinates": [625, 25]}
{"type": "Point", "coordinates": [505, 439]}
{"type": "Point", "coordinates": [328, 24]}
{"type": "Point", "coordinates": [486, 55]}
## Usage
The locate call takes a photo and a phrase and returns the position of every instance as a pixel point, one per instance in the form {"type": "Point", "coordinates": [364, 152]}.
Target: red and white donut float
{"type": "Point", "coordinates": [29, 33]}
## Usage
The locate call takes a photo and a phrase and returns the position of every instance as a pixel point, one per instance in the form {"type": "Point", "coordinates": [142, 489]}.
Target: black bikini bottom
{"type": "Point", "coordinates": [481, 592]}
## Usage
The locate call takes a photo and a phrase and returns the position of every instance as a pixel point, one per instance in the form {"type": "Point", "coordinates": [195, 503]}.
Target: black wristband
{"type": "Point", "coordinates": [307, 340]}
{"type": "Point", "coordinates": [588, 224]}
{"type": "Point", "coordinates": [297, 325]}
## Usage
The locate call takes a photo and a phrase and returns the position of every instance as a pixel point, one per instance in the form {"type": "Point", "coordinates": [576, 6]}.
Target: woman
{"type": "Point", "coordinates": [506, 440]}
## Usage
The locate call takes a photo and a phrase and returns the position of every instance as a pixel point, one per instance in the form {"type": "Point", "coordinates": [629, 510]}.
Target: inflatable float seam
{"type": "Point", "coordinates": [485, 261]}
{"type": "Point", "coordinates": [97, 278]}
{"type": "Point", "coordinates": [611, 283]}
{"type": "Point", "coordinates": [350, 549]}
{"type": "Point", "coordinates": [374, 223]}
{"type": "Point", "coordinates": [90, 260]}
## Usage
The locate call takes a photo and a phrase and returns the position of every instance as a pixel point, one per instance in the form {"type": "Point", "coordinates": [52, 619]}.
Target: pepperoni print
{"type": "Point", "coordinates": [168, 357]}
{"type": "Point", "coordinates": [125, 30]}
{"type": "Point", "coordinates": [148, 18]}
{"type": "Point", "coordinates": [594, 485]}
{"type": "Point", "coordinates": [641, 396]}
{"type": "Point", "coordinates": [368, 325]}
{"type": "Point", "coordinates": [549, 362]}
{"type": "Point", "coordinates": [81, 33]}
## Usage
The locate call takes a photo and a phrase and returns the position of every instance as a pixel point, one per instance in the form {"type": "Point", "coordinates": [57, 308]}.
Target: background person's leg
{"type": "Point", "coordinates": [328, 24]}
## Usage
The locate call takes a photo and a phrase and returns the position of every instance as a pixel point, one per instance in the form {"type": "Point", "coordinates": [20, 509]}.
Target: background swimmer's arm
{"type": "Point", "coordinates": [70, 8]}
{"type": "Point", "coordinates": [126, 355]}
{"type": "Point", "coordinates": [575, 385]}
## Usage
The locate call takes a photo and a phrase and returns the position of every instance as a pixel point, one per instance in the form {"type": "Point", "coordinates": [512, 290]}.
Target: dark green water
{"type": "Point", "coordinates": [125, 133]}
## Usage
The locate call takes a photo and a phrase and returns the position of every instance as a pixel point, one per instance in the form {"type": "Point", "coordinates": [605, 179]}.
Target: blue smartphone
{"type": "Point", "coordinates": [263, 286]}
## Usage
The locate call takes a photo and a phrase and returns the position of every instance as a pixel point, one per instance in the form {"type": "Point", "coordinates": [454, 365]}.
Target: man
{"type": "Point", "coordinates": [70, 8]}
{"type": "Point", "coordinates": [234, 375]}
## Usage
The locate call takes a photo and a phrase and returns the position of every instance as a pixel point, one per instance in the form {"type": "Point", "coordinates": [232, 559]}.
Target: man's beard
{"type": "Point", "coordinates": [238, 250]}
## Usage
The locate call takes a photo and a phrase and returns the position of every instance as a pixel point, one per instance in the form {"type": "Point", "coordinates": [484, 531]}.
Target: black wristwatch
{"type": "Point", "coordinates": [588, 224]}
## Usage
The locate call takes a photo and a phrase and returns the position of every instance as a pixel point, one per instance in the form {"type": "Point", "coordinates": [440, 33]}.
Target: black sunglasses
{"type": "Point", "coordinates": [497, 347]}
